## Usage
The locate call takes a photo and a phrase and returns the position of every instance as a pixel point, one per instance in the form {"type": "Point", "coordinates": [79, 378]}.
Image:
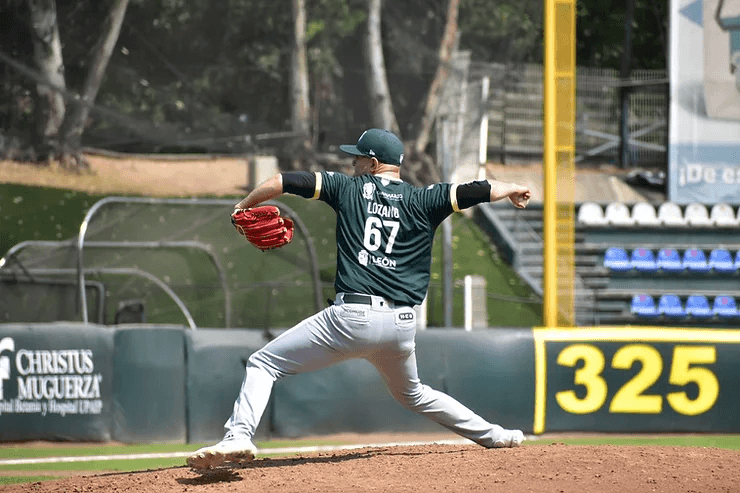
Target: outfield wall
{"type": "Point", "coordinates": [68, 381]}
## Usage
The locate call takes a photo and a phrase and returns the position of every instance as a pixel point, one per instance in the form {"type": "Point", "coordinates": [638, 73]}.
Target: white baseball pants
{"type": "Point", "coordinates": [380, 333]}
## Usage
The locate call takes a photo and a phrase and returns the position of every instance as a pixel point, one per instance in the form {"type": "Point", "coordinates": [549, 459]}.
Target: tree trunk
{"type": "Point", "coordinates": [299, 93]}
{"type": "Point", "coordinates": [435, 90]}
{"type": "Point", "coordinates": [47, 52]}
{"type": "Point", "coordinates": [381, 105]}
{"type": "Point", "coordinates": [74, 123]}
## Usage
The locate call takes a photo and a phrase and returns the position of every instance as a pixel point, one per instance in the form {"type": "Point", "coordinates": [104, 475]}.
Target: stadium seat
{"type": "Point", "coordinates": [724, 306]}
{"type": "Point", "coordinates": [616, 259]}
{"type": "Point", "coordinates": [591, 214]}
{"type": "Point", "coordinates": [670, 306]}
{"type": "Point", "coordinates": [698, 306]}
{"type": "Point", "coordinates": [694, 260]}
{"type": "Point", "coordinates": [643, 214]}
{"type": "Point", "coordinates": [737, 260]}
{"type": "Point", "coordinates": [669, 214]}
{"type": "Point", "coordinates": [696, 214]}
{"type": "Point", "coordinates": [723, 215]}
{"type": "Point", "coordinates": [669, 260]}
{"type": "Point", "coordinates": [721, 261]}
{"type": "Point", "coordinates": [643, 260]}
{"type": "Point", "coordinates": [618, 214]}
{"type": "Point", "coordinates": [643, 305]}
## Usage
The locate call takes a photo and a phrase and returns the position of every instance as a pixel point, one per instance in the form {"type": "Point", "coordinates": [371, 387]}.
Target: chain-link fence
{"type": "Point", "coordinates": [515, 112]}
{"type": "Point", "coordinates": [169, 261]}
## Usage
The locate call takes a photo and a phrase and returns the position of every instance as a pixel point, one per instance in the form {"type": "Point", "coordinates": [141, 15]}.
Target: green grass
{"type": "Point", "coordinates": [114, 464]}
{"type": "Point", "coordinates": [73, 450]}
{"type": "Point", "coordinates": [118, 465]}
{"type": "Point", "coordinates": [511, 302]}
{"type": "Point", "coordinates": [39, 213]}
{"type": "Point", "coordinates": [81, 451]}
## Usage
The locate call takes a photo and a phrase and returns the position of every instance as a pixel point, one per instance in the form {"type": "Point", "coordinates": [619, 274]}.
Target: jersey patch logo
{"type": "Point", "coordinates": [362, 257]}
{"type": "Point", "coordinates": [365, 259]}
{"type": "Point", "coordinates": [391, 196]}
{"type": "Point", "coordinates": [405, 316]}
{"type": "Point", "coordinates": [368, 191]}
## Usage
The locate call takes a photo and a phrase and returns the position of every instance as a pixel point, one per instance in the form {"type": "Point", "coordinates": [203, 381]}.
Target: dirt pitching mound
{"type": "Point", "coordinates": [533, 468]}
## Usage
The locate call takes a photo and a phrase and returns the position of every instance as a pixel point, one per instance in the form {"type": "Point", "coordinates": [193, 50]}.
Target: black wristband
{"type": "Point", "coordinates": [301, 183]}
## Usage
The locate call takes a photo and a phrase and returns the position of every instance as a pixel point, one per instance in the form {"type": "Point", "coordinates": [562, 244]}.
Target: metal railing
{"type": "Point", "coordinates": [515, 113]}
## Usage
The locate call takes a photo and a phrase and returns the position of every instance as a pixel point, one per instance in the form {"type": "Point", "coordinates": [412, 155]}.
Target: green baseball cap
{"type": "Point", "coordinates": [378, 143]}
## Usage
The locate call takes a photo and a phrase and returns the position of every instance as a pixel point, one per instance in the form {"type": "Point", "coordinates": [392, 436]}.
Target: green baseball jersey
{"type": "Point", "coordinates": [385, 230]}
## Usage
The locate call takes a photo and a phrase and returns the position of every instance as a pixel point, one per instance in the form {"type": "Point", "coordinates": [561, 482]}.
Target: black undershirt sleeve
{"type": "Point", "coordinates": [473, 193]}
{"type": "Point", "coordinates": [302, 183]}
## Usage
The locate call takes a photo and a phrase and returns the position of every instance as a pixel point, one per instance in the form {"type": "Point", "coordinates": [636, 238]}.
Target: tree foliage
{"type": "Point", "coordinates": [600, 33]}
{"type": "Point", "coordinates": [502, 31]}
{"type": "Point", "coordinates": [200, 75]}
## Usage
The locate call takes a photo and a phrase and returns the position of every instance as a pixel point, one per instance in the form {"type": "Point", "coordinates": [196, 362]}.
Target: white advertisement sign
{"type": "Point", "coordinates": [704, 155]}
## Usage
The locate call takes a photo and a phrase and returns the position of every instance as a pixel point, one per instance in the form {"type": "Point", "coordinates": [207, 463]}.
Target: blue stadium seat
{"type": "Point", "coordinates": [725, 306]}
{"type": "Point", "coordinates": [616, 259]}
{"type": "Point", "coordinates": [643, 260]}
{"type": "Point", "coordinates": [695, 260]}
{"type": "Point", "coordinates": [721, 261]}
{"type": "Point", "coordinates": [669, 260]}
{"type": "Point", "coordinates": [737, 258]}
{"type": "Point", "coordinates": [698, 306]}
{"type": "Point", "coordinates": [670, 306]}
{"type": "Point", "coordinates": [643, 305]}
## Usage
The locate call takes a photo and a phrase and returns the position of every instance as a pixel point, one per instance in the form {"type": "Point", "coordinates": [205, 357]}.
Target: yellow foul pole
{"type": "Point", "coordinates": [559, 168]}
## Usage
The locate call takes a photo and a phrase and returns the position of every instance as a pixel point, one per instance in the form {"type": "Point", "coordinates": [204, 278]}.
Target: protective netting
{"type": "Point", "coordinates": [174, 261]}
{"type": "Point", "coordinates": [47, 298]}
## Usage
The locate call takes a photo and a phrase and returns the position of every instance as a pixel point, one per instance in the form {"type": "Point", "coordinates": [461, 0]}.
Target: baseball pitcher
{"type": "Point", "coordinates": [385, 230]}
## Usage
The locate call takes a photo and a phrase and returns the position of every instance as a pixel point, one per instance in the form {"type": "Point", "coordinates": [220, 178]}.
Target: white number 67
{"type": "Point", "coordinates": [373, 236]}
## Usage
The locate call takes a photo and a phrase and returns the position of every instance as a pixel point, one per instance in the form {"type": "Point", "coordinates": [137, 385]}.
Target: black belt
{"type": "Point", "coordinates": [364, 299]}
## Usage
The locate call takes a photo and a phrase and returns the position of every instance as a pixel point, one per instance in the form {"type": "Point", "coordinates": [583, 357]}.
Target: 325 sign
{"type": "Point", "coordinates": [688, 365]}
{"type": "Point", "coordinates": [624, 379]}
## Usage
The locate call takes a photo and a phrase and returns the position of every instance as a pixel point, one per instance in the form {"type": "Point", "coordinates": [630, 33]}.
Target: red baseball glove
{"type": "Point", "coordinates": [263, 226]}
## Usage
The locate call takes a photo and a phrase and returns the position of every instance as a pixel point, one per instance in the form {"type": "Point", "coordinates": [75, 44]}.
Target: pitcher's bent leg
{"type": "Point", "coordinates": [400, 374]}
